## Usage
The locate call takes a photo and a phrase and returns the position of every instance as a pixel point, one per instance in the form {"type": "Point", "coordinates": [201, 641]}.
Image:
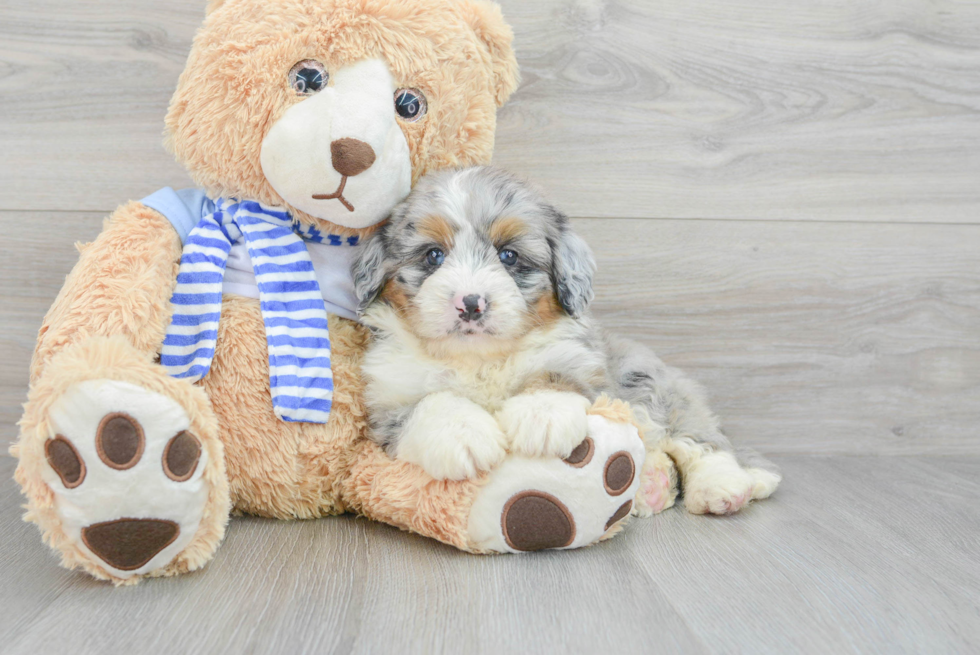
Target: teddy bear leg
{"type": "Point", "coordinates": [529, 504]}
{"type": "Point", "coordinates": [121, 464]}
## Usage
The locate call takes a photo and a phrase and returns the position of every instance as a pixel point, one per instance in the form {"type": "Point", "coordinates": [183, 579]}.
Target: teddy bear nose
{"type": "Point", "coordinates": [350, 156]}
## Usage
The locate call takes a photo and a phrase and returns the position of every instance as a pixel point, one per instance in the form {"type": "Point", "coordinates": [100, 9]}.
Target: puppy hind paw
{"type": "Point", "coordinates": [764, 482]}
{"type": "Point", "coordinates": [716, 484]}
{"type": "Point", "coordinates": [658, 485]}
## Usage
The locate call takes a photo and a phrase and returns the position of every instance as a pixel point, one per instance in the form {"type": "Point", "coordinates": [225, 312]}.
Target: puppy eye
{"type": "Point", "coordinates": [435, 257]}
{"type": "Point", "coordinates": [410, 104]}
{"type": "Point", "coordinates": [508, 257]}
{"type": "Point", "coordinates": [307, 77]}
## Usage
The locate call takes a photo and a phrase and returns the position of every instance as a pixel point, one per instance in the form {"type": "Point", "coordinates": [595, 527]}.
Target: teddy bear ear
{"type": "Point", "coordinates": [488, 22]}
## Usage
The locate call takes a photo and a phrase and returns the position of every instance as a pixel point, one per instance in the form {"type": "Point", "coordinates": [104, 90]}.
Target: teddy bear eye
{"type": "Point", "coordinates": [307, 77]}
{"type": "Point", "coordinates": [410, 104]}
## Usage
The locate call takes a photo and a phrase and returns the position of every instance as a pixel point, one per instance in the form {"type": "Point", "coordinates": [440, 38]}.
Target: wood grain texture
{"type": "Point", "coordinates": [843, 110]}
{"type": "Point", "coordinates": [840, 110]}
{"type": "Point", "coordinates": [817, 322]}
{"type": "Point", "coordinates": [851, 555]}
{"type": "Point", "coordinates": [810, 338]}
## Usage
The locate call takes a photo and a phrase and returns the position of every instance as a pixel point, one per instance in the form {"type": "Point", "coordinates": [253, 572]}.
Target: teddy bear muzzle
{"type": "Point", "coordinates": [339, 154]}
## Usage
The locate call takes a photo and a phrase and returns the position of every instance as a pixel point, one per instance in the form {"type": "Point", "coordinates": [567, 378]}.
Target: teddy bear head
{"type": "Point", "coordinates": [334, 108]}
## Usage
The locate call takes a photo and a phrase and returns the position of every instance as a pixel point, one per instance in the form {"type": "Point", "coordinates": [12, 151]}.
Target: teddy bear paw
{"type": "Point", "coordinates": [533, 503]}
{"type": "Point", "coordinates": [127, 475]}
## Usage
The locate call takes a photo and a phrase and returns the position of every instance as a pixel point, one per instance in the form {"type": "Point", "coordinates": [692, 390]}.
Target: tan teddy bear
{"type": "Point", "coordinates": [314, 117]}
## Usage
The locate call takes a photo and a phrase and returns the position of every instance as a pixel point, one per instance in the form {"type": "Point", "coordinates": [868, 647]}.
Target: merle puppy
{"type": "Point", "coordinates": [477, 293]}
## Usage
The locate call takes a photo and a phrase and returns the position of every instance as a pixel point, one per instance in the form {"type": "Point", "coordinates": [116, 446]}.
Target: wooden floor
{"type": "Point", "coordinates": [784, 199]}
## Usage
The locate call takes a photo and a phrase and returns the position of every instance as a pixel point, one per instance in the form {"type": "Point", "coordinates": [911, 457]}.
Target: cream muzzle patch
{"type": "Point", "coordinates": [340, 155]}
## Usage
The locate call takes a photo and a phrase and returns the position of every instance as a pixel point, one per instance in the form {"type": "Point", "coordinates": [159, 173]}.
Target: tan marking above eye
{"type": "Point", "coordinates": [506, 229]}
{"type": "Point", "coordinates": [438, 229]}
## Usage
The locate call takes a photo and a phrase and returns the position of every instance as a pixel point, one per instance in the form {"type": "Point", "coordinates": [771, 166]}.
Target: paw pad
{"type": "Point", "coordinates": [619, 473]}
{"type": "Point", "coordinates": [533, 503]}
{"type": "Point", "coordinates": [120, 441]}
{"type": "Point", "coordinates": [65, 461]}
{"type": "Point", "coordinates": [128, 544]}
{"type": "Point", "coordinates": [181, 456]}
{"type": "Point", "coordinates": [534, 520]}
{"type": "Point", "coordinates": [620, 514]}
{"type": "Point", "coordinates": [582, 454]}
{"type": "Point", "coordinates": [127, 476]}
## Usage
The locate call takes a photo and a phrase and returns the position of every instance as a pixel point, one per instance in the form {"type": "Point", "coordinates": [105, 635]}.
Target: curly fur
{"type": "Point", "coordinates": [517, 362]}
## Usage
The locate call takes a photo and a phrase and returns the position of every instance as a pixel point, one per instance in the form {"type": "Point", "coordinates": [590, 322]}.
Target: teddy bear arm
{"type": "Point", "coordinates": [121, 285]}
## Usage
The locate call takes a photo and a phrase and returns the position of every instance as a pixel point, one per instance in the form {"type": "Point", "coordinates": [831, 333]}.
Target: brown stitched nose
{"type": "Point", "coordinates": [350, 156]}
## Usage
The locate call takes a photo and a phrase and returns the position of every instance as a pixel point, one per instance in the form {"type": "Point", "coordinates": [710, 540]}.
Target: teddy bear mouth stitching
{"type": "Point", "coordinates": [336, 195]}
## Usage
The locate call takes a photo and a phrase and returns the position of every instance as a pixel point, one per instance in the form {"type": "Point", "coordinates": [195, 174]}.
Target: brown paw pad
{"type": "Point", "coordinates": [619, 514]}
{"type": "Point", "coordinates": [128, 544]}
{"type": "Point", "coordinates": [582, 454]}
{"type": "Point", "coordinates": [65, 461]}
{"type": "Point", "coordinates": [534, 520]}
{"type": "Point", "coordinates": [181, 456]}
{"type": "Point", "coordinates": [619, 472]}
{"type": "Point", "coordinates": [119, 441]}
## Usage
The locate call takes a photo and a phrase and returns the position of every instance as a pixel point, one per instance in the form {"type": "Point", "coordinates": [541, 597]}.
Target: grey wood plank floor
{"type": "Point", "coordinates": [854, 554]}
{"type": "Point", "coordinates": [783, 200]}
{"type": "Point", "coordinates": [829, 110]}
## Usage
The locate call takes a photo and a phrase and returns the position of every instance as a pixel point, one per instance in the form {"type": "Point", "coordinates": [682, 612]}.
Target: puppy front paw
{"type": "Point", "coordinates": [451, 438]}
{"type": "Point", "coordinates": [545, 423]}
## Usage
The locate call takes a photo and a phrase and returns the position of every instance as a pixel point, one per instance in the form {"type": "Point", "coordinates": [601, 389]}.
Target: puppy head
{"type": "Point", "coordinates": [476, 257]}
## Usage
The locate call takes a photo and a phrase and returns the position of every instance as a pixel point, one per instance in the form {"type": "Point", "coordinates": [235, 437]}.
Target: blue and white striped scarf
{"type": "Point", "coordinates": [289, 295]}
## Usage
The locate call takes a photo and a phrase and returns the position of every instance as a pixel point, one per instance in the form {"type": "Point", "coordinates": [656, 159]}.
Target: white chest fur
{"type": "Point", "coordinates": [400, 372]}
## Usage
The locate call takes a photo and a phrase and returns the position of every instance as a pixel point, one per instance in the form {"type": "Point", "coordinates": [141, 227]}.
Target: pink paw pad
{"type": "Point", "coordinates": [737, 502]}
{"type": "Point", "coordinates": [654, 491]}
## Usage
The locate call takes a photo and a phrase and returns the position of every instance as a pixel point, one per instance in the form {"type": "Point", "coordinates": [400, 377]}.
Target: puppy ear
{"type": "Point", "coordinates": [572, 271]}
{"type": "Point", "coordinates": [370, 270]}
{"type": "Point", "coordinates": [212, 5]}
{"type": "Point", "coordinates": [488, 22]}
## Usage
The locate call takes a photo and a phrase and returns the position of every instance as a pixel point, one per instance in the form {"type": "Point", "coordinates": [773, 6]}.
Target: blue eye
{"type": "Point", "coordinates": [508, 257]}
{"type": "Point", "coordinates": [435, 257]}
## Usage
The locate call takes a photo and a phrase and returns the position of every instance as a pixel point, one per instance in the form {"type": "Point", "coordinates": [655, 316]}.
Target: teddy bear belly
{"type": "Point", "coordinates": [275, 468]}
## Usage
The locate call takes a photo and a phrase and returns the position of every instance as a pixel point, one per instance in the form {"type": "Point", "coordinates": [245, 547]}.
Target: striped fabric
{"type": "Point", "coordinates": [292, 306]}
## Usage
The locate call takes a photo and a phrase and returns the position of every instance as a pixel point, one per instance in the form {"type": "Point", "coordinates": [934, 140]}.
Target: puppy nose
{"type": "Point", "coordinates": [350, 156]}
{"type": "Point", "coordinates": [470, 307]}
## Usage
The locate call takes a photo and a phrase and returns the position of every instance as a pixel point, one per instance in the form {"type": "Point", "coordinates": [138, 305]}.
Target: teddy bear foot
{"type": "Point", "coordinates": [530, 504]}
{"type": "Point", "coordinates": [127, 475]}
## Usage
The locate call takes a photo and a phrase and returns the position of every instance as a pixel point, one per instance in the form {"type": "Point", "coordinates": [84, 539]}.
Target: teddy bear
{"type": "Point", "coordinates": [154, 415]}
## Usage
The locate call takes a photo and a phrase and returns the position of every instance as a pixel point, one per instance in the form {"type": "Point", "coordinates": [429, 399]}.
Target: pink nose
{"type": "Point", "coordinates": [470, 306]}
